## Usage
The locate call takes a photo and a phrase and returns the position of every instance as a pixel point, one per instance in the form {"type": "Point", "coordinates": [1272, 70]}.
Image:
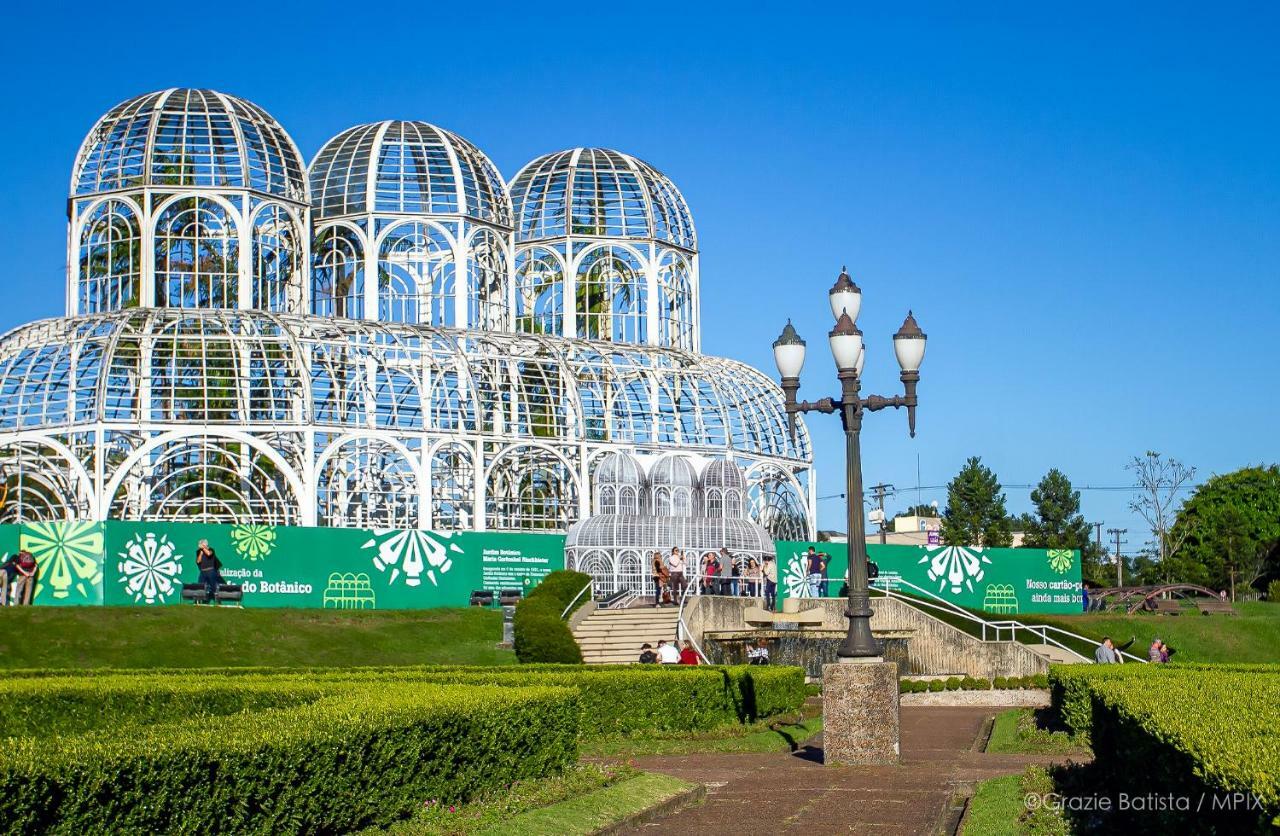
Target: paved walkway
{"type": "Point", "coordinates": [795, 793]}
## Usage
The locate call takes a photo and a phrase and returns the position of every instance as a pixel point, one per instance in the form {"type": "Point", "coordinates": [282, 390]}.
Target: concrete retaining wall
{"type": "Point", "coordinates": [935, 647]}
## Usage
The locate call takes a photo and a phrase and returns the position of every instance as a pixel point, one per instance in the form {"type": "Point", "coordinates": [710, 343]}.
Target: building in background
{"type": "Point", "coordinates": [391, 338]}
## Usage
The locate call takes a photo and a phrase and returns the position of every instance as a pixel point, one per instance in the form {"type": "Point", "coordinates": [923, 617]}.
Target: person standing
{"type": "Point", "coordinates": [660, 576]}
{"type": "Point", "coordinates": [709, 568]}
{"type": "Point", "coordinates": [675, 564]}
{"type": "Point", "coordinates": [814, 571]}
{"type": "Point", "coordinates": [824, 561]}
{"type": "Point", "coordinates": [208, 564]}
{"type": "Point", "coordinates": [1105, 653]}
{"type": "Point", "coordinates": [770, 572]}
{"type": "Point", "coordinates": [23, 588]}
{"type": "Point", "coordinates": [753, 577]}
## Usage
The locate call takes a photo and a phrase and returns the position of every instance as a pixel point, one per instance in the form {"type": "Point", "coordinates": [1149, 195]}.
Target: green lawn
{"type": "Point", "coordinates": [1015, 732]}
{"type": "Point", "coordinates": [995, 808]}
{"type": "Point", "coordinates": [190, 636]}
{"type": "Point", "coordinates": [1251, 636]}
{"type": "Point", "coordinates": [768, 736]}
{"type": "Point", "coordinates": [583, 800]}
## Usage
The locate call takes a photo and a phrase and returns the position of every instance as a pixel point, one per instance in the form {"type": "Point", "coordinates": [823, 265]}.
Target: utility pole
{"type": "Point", "coordinates": [1116, 532]}
{"type": "Point", "coordinates": [879, 492]}
{"type": "Point", "coordinates": [1099, 538]}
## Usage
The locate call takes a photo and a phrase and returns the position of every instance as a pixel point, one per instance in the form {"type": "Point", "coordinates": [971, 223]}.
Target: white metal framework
{"type": "Point", "coordinates": [223, 361]}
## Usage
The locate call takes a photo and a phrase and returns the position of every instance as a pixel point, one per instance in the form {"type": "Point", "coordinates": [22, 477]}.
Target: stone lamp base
{"type": "Point", "coordinates": [860, 713]}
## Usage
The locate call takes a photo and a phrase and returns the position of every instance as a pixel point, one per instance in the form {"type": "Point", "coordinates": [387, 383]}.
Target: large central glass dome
{"type": "Point", "coordinates": [384, 341]}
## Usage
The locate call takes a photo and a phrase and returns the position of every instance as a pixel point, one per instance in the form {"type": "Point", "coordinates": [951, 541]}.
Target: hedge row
{"type": "Point", "coordinates": [614, 698]}
{"type": "Point", "coordinates": [1199, 732]}
{"type": "Point", "coordinates": [540, 633]}
{"type": "Point", "coordinates": [362, 755]}
{"type": "Point", "coordinates": [971, 683]}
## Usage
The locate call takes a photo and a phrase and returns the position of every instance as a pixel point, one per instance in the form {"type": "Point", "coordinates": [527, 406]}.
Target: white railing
{"type": "Point", "coordinates": [682, 629]}
{"type": "Point", "coordinates": [584, 589]}
{"type": "Point", "coordinates": [992, 631]}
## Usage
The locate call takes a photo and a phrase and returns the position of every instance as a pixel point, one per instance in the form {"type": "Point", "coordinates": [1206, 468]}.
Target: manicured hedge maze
{"type": "Point", "coordinates": [1209, 733]}
{"type": "Point", "coordinates": [328, 750]}
{"type": "Point", "coordinates": [265, 754]}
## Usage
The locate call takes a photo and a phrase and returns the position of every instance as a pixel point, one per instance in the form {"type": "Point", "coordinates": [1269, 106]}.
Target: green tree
{"type": "Point", "coordinates": [975, 513]}
{"type": "Point", "coordinates": [1058, 524]}
{"type": "Point", "coordinates": [1230, 527]}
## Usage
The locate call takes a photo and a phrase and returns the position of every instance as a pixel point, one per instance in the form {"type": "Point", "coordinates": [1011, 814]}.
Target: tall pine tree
{"type": "Point", "coordinates": [1058, 524]}
{"type": "Point", "coordinates": [975, 514]}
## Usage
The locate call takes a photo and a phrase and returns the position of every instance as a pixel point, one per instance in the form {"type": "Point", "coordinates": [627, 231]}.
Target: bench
{"type": "Point", "coordinates": [227, 593]}
{"type": "Point", "coordinates": [509, 597]}
{"type": "Point", "coordinates": [482, 598]}
{"type": "Point", "coordinates": [1210, 606]}
{"type": "Point", "coordinates": [1167, 606]}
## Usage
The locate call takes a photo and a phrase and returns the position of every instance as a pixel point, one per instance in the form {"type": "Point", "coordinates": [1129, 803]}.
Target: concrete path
{"type": "Point", "coordinates": [795, 793]}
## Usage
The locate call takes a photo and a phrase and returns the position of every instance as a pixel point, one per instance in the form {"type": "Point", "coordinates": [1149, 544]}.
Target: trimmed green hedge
{"type": "Point", "coordinates": [541, 635]}
{"type": "Point", "coordinates": [970, 683]}
{"type": "Point", "coordinates": [1194, 731]}
{"type": "Point", "coordinates": [361, 755]}
{"type": "Point", "coordinates": [42, 707]}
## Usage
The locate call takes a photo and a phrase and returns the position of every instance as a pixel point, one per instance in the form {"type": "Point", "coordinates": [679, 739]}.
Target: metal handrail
{"type": "Point", "coordinates": [564, 614]}
{"type": "Point", "coordinates": [682, 629]}
{"type": "Point", "coordinates": [1039, 630]}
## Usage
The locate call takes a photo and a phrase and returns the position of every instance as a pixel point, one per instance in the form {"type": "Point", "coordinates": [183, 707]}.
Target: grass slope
{"type": "Point", "coordinates": [1251, 636]}
{"type": "Point", "coordinates": [188, 636]}
{"type": "Point", "coordinates": [768, 736]}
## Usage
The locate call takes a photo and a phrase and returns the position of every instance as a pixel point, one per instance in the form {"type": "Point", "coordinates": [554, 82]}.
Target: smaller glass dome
{"type": "Point", "coordinates": [673, 471]}
{"type": "Point", "coordinates": [404, 167]}
{"type": "Point", "coordinates": [619, 469]}
{"type": "Point", "coordinates": [189, 138]}
{"type": "Point", "coordinates": [596, 192]}
{"type": "Point", "coordinates": [725, 475]}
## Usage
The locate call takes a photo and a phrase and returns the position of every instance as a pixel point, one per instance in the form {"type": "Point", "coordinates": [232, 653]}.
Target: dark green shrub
{"type": "Point", "coordinates": [361, 756]}
{"type": "Point", "coordinates": [1273, 591]}
{"type": "Point", "coordinates": [541, 634]}
{"type": "Point", "coordinates": [1000, 683]}
{"type": "Point", "coordinates": [936, 685]}
{"type": "Point", "coordinates": [953, 683]}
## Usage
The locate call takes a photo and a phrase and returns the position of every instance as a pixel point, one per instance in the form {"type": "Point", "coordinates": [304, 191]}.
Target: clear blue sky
{"type": "Point", "coordinates": [1083, 209]}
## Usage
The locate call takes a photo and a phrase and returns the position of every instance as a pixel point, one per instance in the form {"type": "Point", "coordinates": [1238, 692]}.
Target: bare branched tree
{"type": "Point", "coordinates": [1159, 481]}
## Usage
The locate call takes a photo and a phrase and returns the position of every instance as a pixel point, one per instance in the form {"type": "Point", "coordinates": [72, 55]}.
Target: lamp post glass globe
{"type": "Point", "coordinates": [862, 359]}
{"type": "Point", "coordinates": [845, 297]}
{"type": "Point", "coordinates": [908, 344]}
{"type": "Point", "coordinates": [846, 343]}
{"type": "Point", "coordinates": [788, 352]}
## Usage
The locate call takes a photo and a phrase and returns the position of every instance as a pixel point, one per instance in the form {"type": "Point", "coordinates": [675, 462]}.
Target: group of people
{"type": "Point", "coordinates": [17, 579]}
{"type": "Point", "coordinates": [1108, 652]}
{"type": "Point", "coordinates": [719, 574]}
{"type": "Point", "coordinates": [667, 653]}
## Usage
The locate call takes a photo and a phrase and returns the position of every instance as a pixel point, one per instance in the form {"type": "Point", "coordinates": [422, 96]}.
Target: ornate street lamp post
{"type": "Point", "coordinates": [849, 352]}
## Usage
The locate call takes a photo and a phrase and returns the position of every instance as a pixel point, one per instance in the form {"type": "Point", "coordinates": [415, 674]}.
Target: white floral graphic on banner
{"type": "Point", "coordinates": [412, 554]}
{"type": "Point", "coordinates": [149, 568]}
{"type": "Point", "coordinates": [796, 578]}
{"type": "Point", "coordinates": [955, 567]}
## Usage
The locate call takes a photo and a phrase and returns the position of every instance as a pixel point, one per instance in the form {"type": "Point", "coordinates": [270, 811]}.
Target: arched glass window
{"type": "Point", "coordinates": [610, 299]}
{"type": "Point", "coordinates": [531, 489]}
{"type": "Point", "coordinates": [367, 483]}
{"type": "Point", "coordinates": [608, 503]}
{"type": "Point", "coordinates": [675, 302]}
{"type": "Point", "coordinates": [777, 506]}
{"type": "Point", "coordinates": [337, 273]}
{"type": "Point", "coordinates": [110, 259]}
{"type": "Point", "coordinates": [487, 282]}
{"type": "Point", "coordinates": [197, 256]}
{"type": "Point", "coordinates": [415, 276]}
{"type": "Point", "coordinates": [453, 480]}
{"type": "Point", "coordinates": [539, 292]}
{"type": "Point", "coordinates": [276, 255]}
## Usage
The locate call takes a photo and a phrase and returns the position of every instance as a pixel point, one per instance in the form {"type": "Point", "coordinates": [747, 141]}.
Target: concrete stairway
{"type": "Point", "coordinates": [1057, 655]}
{"type": "Point", "coordinates": [612, 637]}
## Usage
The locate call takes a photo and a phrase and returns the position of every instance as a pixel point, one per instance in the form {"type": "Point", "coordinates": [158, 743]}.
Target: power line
{"type": "Point", "coordinates": [1026, 487]}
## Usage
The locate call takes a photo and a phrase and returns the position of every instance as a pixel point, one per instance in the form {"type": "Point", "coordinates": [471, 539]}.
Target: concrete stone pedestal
{"type": "Point", "coordinates": [860, 713]}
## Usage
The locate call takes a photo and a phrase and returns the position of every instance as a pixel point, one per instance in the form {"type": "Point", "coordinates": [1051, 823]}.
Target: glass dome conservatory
{"type": "Point", "coordinates": [244, 343]}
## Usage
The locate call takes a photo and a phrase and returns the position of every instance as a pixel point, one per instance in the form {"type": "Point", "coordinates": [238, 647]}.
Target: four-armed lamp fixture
{"type": "Point", "coordinates": [849, 353]}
